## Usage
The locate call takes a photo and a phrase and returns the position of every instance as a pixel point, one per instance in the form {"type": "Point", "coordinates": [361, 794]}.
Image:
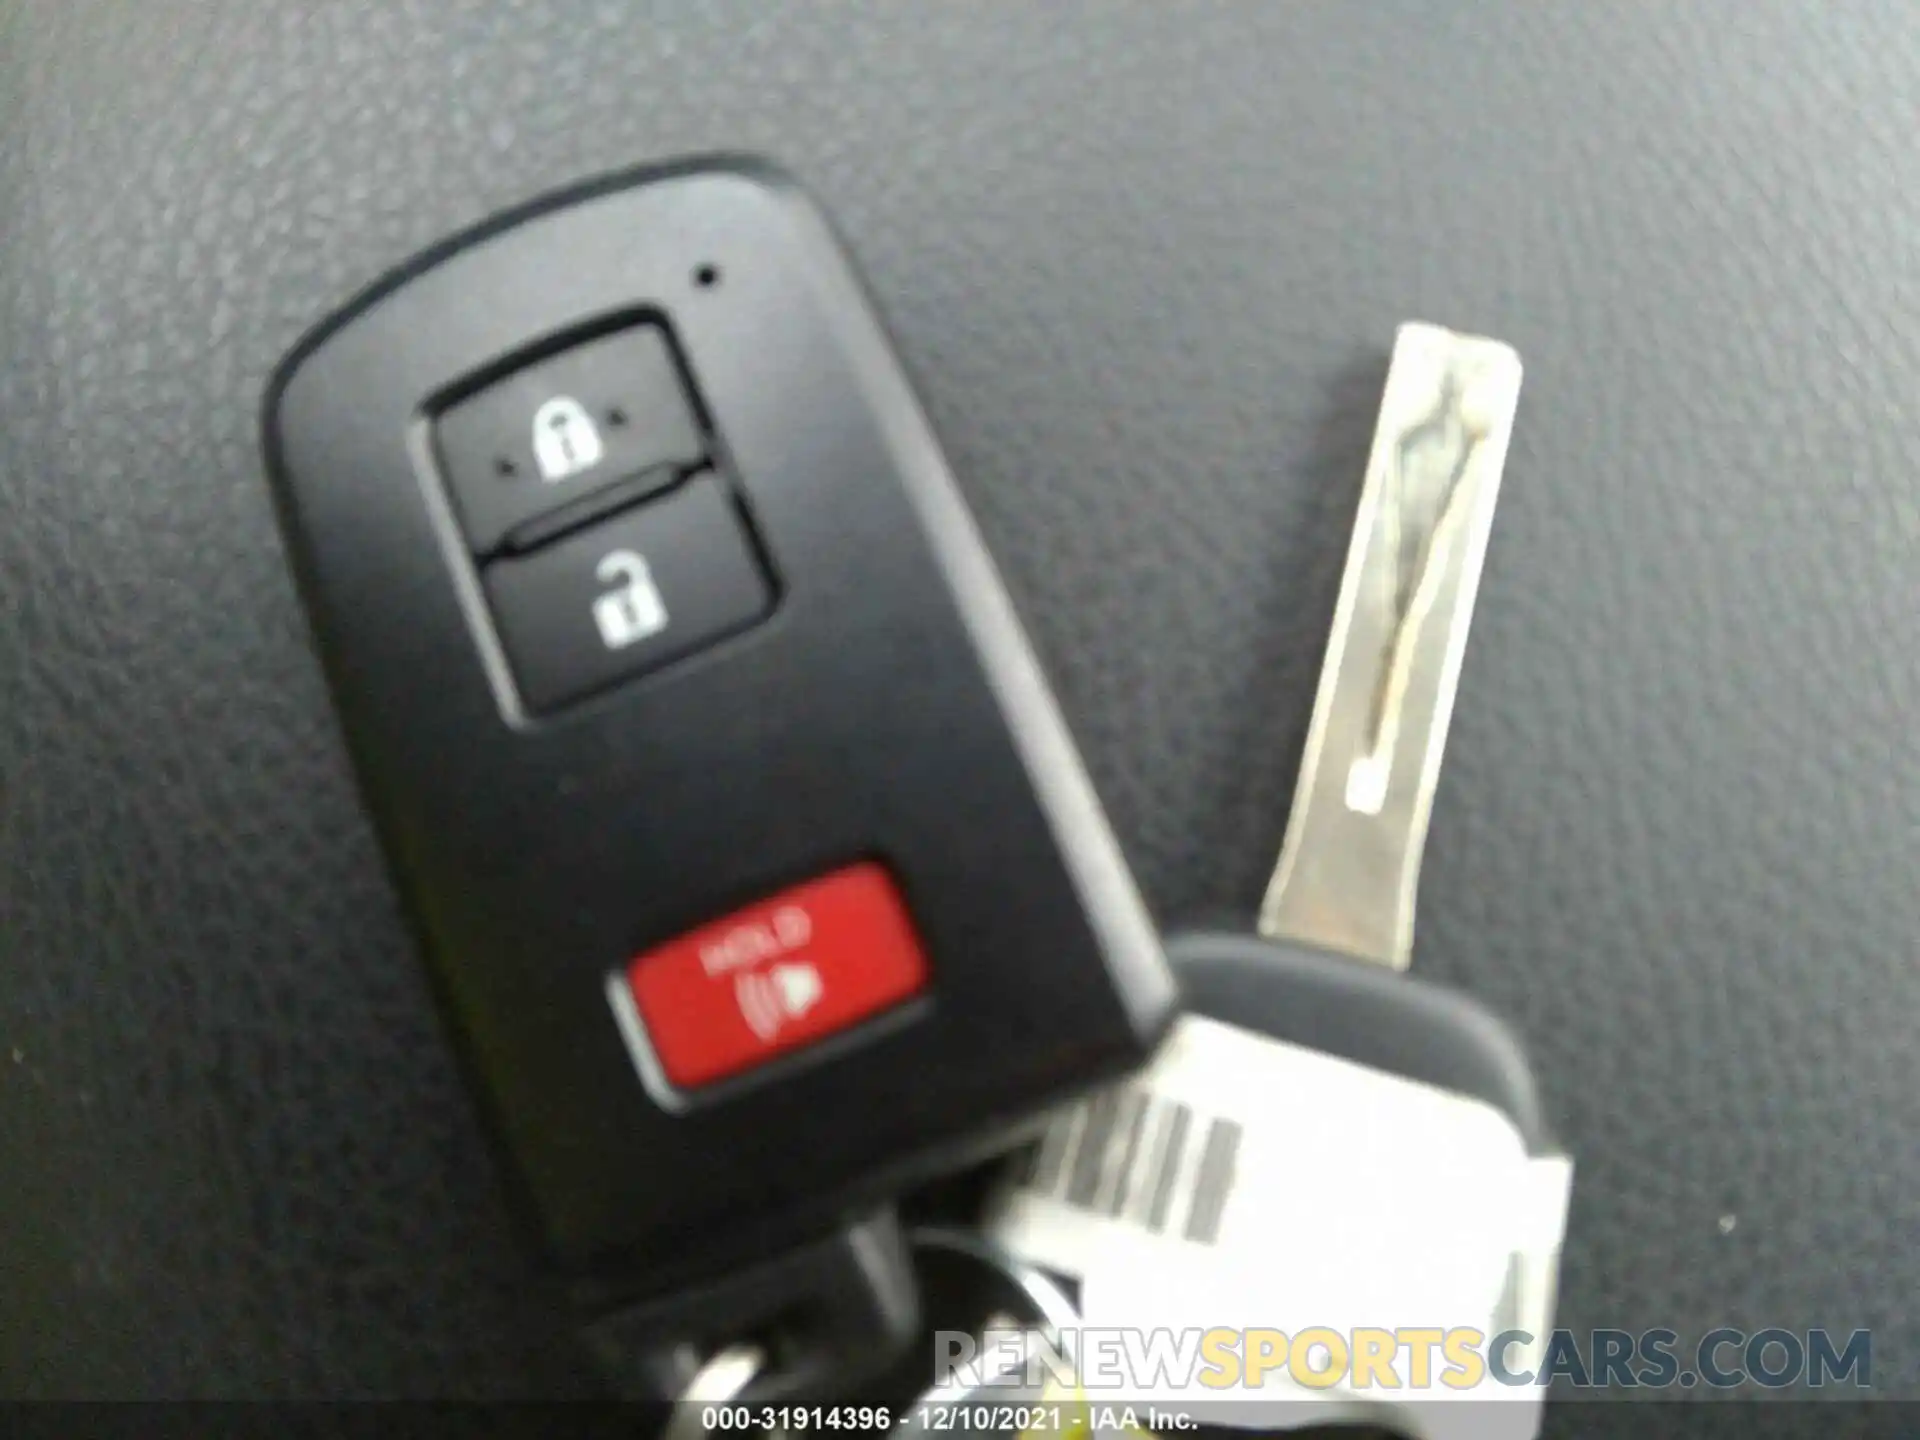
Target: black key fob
{"type": "Point", "coordinates": [747, 847]}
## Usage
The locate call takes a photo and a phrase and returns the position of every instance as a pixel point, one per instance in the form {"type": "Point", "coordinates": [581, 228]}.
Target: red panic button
{"type": "Point", "coordinates": [782, 973]}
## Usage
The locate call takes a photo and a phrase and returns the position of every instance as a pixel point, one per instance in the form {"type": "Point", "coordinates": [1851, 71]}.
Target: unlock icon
{"type": "Point", "coordinates": [633, 610]}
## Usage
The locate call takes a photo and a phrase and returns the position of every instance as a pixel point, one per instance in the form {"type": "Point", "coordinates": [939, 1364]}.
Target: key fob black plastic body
{"type": "Point", "coordinates": [1394, 1023]}
{"type": "Point", "coordinates": [752, 858]}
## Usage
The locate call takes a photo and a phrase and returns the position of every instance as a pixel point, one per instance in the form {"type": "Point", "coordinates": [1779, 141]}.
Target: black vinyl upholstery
{"type": "Point", "coordinates": [1145, 260]}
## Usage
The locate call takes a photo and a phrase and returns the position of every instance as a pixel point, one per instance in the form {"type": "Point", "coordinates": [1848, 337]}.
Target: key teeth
{"type": "Point", "coordinates": [1348, 870]}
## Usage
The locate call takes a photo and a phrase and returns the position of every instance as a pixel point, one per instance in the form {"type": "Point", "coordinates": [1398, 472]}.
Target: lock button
{"type": "Point", "coordinates": [627, 595]}
{"type": "Point", "coordinates": [610, 414]}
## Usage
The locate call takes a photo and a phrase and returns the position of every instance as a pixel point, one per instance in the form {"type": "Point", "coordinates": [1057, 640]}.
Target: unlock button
{"type": "Point", "coordinates": [627, 595]}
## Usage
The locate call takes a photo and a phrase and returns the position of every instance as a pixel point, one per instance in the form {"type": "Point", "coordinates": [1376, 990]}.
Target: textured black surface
{"type": "Point", "coordinates": [1146, 259]}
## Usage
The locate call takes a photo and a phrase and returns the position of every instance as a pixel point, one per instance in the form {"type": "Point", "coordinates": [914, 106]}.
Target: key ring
{"type": "Point", "coordinates": [1056, 1311]}
{"type": "Point", "coordinates": [726, 1373]}
{"type": "Point", "coordinates": [1050, 1314]}
{"type": "Point", "coordinates": [1036, 1301]}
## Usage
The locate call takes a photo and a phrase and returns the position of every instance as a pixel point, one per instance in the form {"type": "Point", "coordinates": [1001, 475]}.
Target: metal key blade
{"type": "Point", "coordinates": [1350, 866]}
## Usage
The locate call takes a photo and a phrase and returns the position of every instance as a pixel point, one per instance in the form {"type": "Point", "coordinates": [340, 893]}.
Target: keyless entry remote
{"type": "Point", "coordinates": [751, 856]}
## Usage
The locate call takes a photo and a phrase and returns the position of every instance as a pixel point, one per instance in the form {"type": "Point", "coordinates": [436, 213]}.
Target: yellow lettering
{"type": "Point", "coordinates": [1265, 1350]}
{"type": "Point", "coordinates": [1421, 1343]}
{"type": "Point", "coordinates": [1468, 1367]}
{"type": "Point", "coordinates": [1222, 1358]}
{"type": "Point", "coordinates": [1373, 1354]}
{"type": "Point", "coordinates": [1300, 1361]}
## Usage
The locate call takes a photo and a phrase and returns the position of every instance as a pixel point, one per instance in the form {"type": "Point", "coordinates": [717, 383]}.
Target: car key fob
{"type": "Point", "coordinates": [749, 852]}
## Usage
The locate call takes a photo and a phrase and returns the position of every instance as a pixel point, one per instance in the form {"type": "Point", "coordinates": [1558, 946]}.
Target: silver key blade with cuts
{"type": "Point", "coordinates": [1349, 869]}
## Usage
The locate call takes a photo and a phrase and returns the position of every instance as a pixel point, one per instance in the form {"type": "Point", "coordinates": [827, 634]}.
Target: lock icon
{"type": "Point", "coordinates": [565, 439]}
{"type": "Point", "coordinates": [636, 609]}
